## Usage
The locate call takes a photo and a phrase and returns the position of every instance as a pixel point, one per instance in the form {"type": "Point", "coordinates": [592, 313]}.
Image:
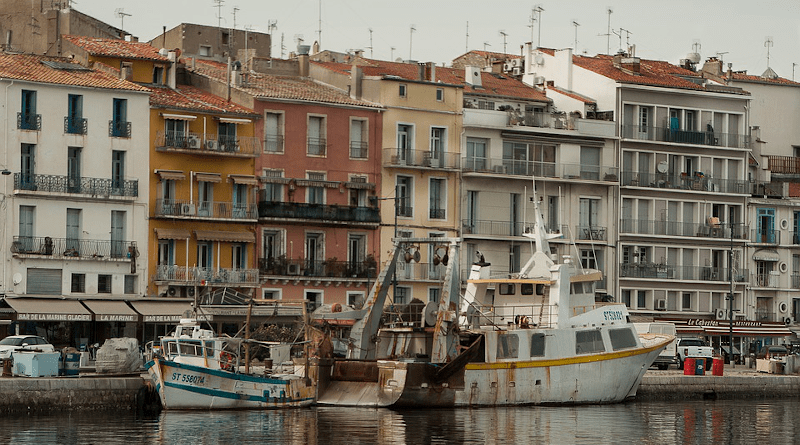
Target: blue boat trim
{"type": "Point", "coordinates": [149, 365]}
{"type": "Point", "coordinates": [226, 374]}
{"type": "Point", "coordinates": [233, 395]}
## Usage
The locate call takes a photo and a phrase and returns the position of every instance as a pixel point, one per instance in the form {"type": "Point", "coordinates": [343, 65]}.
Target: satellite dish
{"type": "Point", "coordinates": [17, 278]}
{"type": "Point", "coordinates": [662, 167]}
{"type": "Point", "coordinates": [430, 312]}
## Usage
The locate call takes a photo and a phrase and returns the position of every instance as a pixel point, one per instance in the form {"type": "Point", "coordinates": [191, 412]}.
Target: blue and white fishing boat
{"type": "Point", "coordinates": [194, 369]}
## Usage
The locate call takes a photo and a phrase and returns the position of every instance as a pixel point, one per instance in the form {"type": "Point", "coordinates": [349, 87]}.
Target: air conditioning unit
{"type": "Point", "coordinates": [516, 71]}
{"type": "Point", "coordinates": [719, 314]}
{"type": "Point", "coordinates": [500, 169]}
{"type": "Point", "coordinates": [538, 80]}
{"type": "Point", "coordinates": [516, 62]}
{"type": "Point", "coordinates": [788, 320]}
{"type": "Point", "coordinates": [507, 67]}
{"type": "Point", "coordinates": [194, 141]}
{"type": "Point", "coordinates": [293, 269]}
{"type": "Point", "coordinates": [187, 209]}
{"type": "Point", "coordinates": [212, 145]}
{"type": "Point", "coordinates": [661, 305]}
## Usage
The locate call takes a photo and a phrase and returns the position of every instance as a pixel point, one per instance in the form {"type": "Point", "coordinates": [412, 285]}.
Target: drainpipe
{"type": "Point", "coordinates": [9, 215]}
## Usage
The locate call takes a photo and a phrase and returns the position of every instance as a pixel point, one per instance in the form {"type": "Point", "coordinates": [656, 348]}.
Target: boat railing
{"type": "Point", "coordinates": [226, 357]}
{"type": "Point", "coordinates": [516, 316]}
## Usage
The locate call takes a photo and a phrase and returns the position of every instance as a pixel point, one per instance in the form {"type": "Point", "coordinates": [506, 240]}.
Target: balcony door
{"type": "Point", "coordinates": [73, 232]}
{"type": "Point", "coordinates": [74, 169]}
{"type": "Point", "coordinates": [27, 166]}
{"type": "Point", "coordinates": [118, 248]}
{"type": "Point", "coordinates": [766, 226]}
{"type": "Point", "coordinates": [314, 253]}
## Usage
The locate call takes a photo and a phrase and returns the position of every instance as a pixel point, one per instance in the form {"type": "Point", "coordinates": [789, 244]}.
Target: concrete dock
{"type": "Point", "coordinates": [736, 383]}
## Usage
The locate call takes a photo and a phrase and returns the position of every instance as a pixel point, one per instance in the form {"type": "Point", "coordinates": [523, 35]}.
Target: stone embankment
{"type": "Point", "coordinates": [736, 383]}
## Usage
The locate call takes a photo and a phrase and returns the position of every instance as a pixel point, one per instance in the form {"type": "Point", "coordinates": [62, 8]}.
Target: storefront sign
{"type": "Point", "coordinates": [123, 318]}
{"type": "Point", "coordinates": [53, 317]}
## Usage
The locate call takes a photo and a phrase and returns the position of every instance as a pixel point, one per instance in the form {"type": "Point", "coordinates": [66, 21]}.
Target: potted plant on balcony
{"type": "Point", "coordinates": [370, 266]}
{"type": "Point", "coordinates": [333, 267]}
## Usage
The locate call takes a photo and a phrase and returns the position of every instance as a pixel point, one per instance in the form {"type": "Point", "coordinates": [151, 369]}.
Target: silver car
{"type": "Point", "coordinates": [31, 342]}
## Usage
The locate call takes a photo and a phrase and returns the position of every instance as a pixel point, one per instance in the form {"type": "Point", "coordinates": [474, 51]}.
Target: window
{"type": "Point", "coordinates": [440, 94]}
{"type": "Point", "coordinates": [507, 346]}
{"type": "Point", "coordinates": [356, 253]}
{"type": "Point", "coordinates": [589, 259]}
{"type": "Point", "coordinates": [167, 191]}
{"type": "Point", "coordinates": [691, 121]}
{"type": "Point", "coordinates": [402, 295]}
{"type": "Point", "coordinates": [355, 299]}
{"type": "Point", "coordinates": [205, 254]}
{"type": "Point", "coordinates": [271, 191]}
{"type": "Point", "coordinates": [271, 294]}
{"type": "Point", "coordinates": [27, 167]}
{"type": "Point", "coordinates": [590, 163]}
{"type": "Point", "coordinates": [175, 134]}
{"type": "Point", "coordinates": [403, 196]}
{"type": "Point", "coordinates": [470, 226]}
{"type": "Point", "coordinates": [402, 90]}
{"type": "Point", "coordinates": [644, 119]}
{"type": "Point", "coordinates": [273, 132]}
{"type": "Point", "coordinates": [117, 172]}
{"type": "Point", "coordinates": [74, 122]}
{"type": "Point", "coordinates": [766, 226]}
{"type": "Point", "coordinates": [119, 246]}
{"type": "Point", "coordinates": [239, 256]}
{"type": "Point", "coordinates": [104, 284]}
{"type": "Point", "coordinates": [240, 207]}
{"type": "Point", "coordinates": [119, 126]}
{"type": "Point", "coordinates": [434, 293]}
{"type": "Point", "coordinates": [74, 169]}
{"type": "Point", "coordinates": [316, 136]}
{"type": "Point", "coordinates": [158, 75]}
{"type": "Point", "coordinates": [227, 137]}
{"type": "Point", "coordinates": [272, 246]}
{"type": "Point", "coordinates": [204, 50]}
{"type": "Point", "coordinates": [687, 301]}
{"type": "Point", "coordinates": [622, 338]}
{"type": "Point", "coordinates": [405, 144]}
{"type": "Point", "coordinates": [315, 194]}
{"type": "Point", "coordinates": [358, 197]}
{"type": "Point", "coordinates": [359, 145]}
{"type": "Point", "coordinates": [476, 154]}
{"type": "Point", "coordinates": [315, 253]}
{"type": "Point", "coordinates": [588, 219]}
{"type": "Point", "coordinates": [436, 156]}
{"type": "Point", "coordinates": [26, 230]}
{"type": "Point", "coordinates": [314, 299]}
{"type": "Point", "coordinates": [641, 299]}
{"type": "Point", "coordinates": [626, 297]}
{"type": "Point", "coordinates": [73, 232]}
{"type": "Point", "coordinates": [78, 285]}
{"type": "Point", "coordinates": [205, 198]}
{"type": "Point", "coordinates": [27, 119]}
{"type": "Point", "coordinates": [166, 252]}
{"type": "Point", "coordinates": [552, 214]}
{"type": "Point", "coordinates": [514, 257]}
{"type": "Point", "coordinates": [437, 198]}
{"type": "Point", "coordinates": [130, 284]}
{"type": "Point", "coordinates": [587, 342]}
{"type": "Point", "coordinates": [225, 38]}
{"type": "Point", "coordinates": [537, 345]}
{"type": "Point", "coordinates": [507, 289]}
{"type": "Point", "coordinates": [529, 159]}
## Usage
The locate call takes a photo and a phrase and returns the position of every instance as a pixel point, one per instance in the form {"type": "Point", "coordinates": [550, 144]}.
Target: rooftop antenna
{"type": "Point", "coordinates": [720, 54]}
{"type": "Point", "coordinates": [283, 47]}
{"type": "Point", "coordinates": [272, 25]}
{"type": "Point", "coordinates": [235, 10]}
{"type": "Point", "coordinates": [696, 46]}
{"type": "Point", "coordinates": [319, 31]}
{"type": "Point", "coordinates": [532, 19]}
{"type": "Point", "coordinates": [219, 12]}
{"type": "Point", "coordinates": [576, 25]}
{"type": "Point", "coordinates": [411, 40]}
{"type": "Point", "coordinates": [608, 32]}
{"type": "Point", "coordinates": [627, 36]}
{"type": "Point", "coordinates": [793, 65]}
{"type": "Point", "coordinates": [120, 12]}
{"type": "Point", "coordinates": [391, 53]}
{"type": "Point", "coordinates": [466, 47]}
{"type": "Point", "coordinates": [504, 34]}
{"type": "Point", "coordinates": [485, 44]}
{"type": "Point", "coordinates": [539, 10]}
{"type": "Point", "coordinates": [370, 43]}
{"type": "Point", "coordinates": [768, 43]}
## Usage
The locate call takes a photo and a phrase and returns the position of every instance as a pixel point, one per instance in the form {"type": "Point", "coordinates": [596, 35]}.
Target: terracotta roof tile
{"type": "Point", "coordinates": [744, 77]}
{"type": "Point", "coordinates": [116, 48]}
{"type": "Point", "coordinates": [652, 72]}
{"type": "Point", "coordinates": [571, 94]}
{"type": "Point", "coordinates": [30, 68]}
{"type": "Point", "coordinates": [266, 86]}
{"type": "Point", "coordinates": [189, 98]}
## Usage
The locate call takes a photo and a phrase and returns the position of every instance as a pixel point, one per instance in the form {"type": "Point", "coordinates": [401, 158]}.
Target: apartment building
{"type": "Point", "coordinates": [73, 198]}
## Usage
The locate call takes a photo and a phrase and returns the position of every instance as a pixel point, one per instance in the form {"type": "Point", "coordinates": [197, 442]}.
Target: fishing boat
{"type": "Point", "coordinates": [533, 338]}
{"type": "Point", "coordinates": [195, 369]}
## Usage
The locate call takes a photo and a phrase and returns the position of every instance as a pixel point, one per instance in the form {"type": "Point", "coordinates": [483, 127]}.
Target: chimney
{"type": "Point", "coordinates": [712, 66]}
{"type": "Point", "coordinates": [126, 71]}
{"type": "Point", "coordinates": [564, 68]}
{"type": "Point", "coordinates": [430, 72]}
{"type": "Point", "coordinates": [302, 58]}
{"type": "Point", "coordinates": [172, 56]}
{"type": "Point", "coordinates": [356, 77]}
{"type": "Point", "coordinates": [421, 71]}
{"type": "Point", "coordinates": [629, 64]}
{"type": "Point", "coordinates": [472, 76]}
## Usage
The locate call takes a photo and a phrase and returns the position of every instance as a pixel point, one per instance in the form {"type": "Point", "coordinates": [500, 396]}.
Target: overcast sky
{"type": "Point", "coordinates": [661, 30]}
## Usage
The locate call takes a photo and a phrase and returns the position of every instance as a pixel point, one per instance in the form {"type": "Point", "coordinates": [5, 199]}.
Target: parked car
{"type": "Point", "coordinates": [16, 342]}
{"type": "Point", "coordinates": [691, 347]}
{"type": "Point", "coordinates": [772, 351]}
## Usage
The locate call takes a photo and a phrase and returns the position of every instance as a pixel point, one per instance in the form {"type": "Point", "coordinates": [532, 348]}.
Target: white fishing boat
{"type": "Point", "coordinates": [537, 337]}
{"type": "Point", "coordinates": [194, 369]}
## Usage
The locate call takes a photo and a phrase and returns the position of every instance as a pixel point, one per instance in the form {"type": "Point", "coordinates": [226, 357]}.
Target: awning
{"type": "Point", "coordinates": [313, 183]}
{"type": "Point", "coordinates": [208, 177]}
{"type": "Point", "coordinates": [766, 255]}
{"type": "Point", "coordinates": [741, 328]}
{"type": "Point", "coordinates": [360, 185]}
{"type": "Point", "coordinates": [162, 311]}
{"type": "Point", "coordinates": [49, 309]}
{"type": "Point", "coordinates": [106, 310]}
{"type": "Point", "coordinates": [163, 233]}
{"type": "Point", "coordinates": [181, 117]}
{"type": "Point", "coordinates": [725, 350]}
{"type": "Point", "coordinates": [257, 311]}
{"type": "Point", "coordinates": [243, 179]}
{"type": "Point", "coordinates": [174, 175]}
{"type": "Point", "coordinates": [274, 180]}
{"type": "Point", "coordinates": [230, 120]}
{"type": "Point", "coordinates": [220, 235]}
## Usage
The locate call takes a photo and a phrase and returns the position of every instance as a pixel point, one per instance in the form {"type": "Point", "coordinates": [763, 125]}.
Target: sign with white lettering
{"type": "Point", "coordinates": [53, 317]}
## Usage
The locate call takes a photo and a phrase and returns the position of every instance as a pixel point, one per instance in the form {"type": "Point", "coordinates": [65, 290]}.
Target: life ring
{"type": "Point", "coordinates": [226, 360]}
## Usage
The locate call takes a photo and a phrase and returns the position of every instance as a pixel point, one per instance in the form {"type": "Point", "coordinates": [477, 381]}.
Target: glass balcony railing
{"type": "Point", "coordinates": [676, 228]}
{"type": "Point", "coordinates": [683, 181]}
{"type": "Point", "coordinates": [520, 167]}
{"type": "Point", "coordinates": [669, 272]}
{"type": "Point", "coordinates": [666, 134]}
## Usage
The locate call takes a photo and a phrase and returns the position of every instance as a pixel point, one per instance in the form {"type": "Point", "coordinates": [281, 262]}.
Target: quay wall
{"type": "Point", "coordinates": [705, 387]}
{"type": "Point", "coordinates": [42, 394]}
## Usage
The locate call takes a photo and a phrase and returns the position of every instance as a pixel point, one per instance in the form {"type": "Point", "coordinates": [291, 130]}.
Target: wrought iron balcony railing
{"type": "Point", "coordinates": [359, 150]}
{"type": "Point", "coordinates": [317, 146]}
{"type": "Point", "coordinates": [207, 143]}
{"type": "Point", "coordinates": [668, 272]}
{"type": "Point", "coordinates": [71, 248]}
{"type": "Point", "coordinates": [594, 233]}
{"type": "Point", "coordinates": [273, 143]}
{"type": "Point", "coordinates": [503, 228]}
{"type": "Point", "coordinates": [765, 236]}
{"type": "Point", "coordinates": [97, 187]}
{"type": "Point", "coordinates": [420, 271]}
{"type": "Point", "coordinates": [181, 208]}
{"type": "Point", "coordinates": [207, 276]}
{"type": "Point", "coordinates": [437, 213]}
{"type": "Point", "coordinates": [666, 134]}
{"type": "Point", "coordinates": [308, 268]}
{"type": "Point", "coordinates": [677, 228]}
{"type": "Point", "coordinates": [29, 121]}
{"type": "Point", "coordinates": [119, 129]}
{"type": "Point", "coordinates": [76, 125]}
{"type": "Point", "coordinates": [299, 210]}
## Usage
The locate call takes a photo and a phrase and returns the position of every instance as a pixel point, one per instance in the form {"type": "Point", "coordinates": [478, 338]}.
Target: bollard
{"type": "Point", "coordinates": [717, 367]}
{"type": "Point", "coordinates": [688, 366]}
{"type": "Point", "coordinates": [700, 365]}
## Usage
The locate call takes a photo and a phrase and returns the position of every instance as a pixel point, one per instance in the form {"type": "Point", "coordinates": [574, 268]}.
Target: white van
{"type": "Point", "coordinates": [669, 356]}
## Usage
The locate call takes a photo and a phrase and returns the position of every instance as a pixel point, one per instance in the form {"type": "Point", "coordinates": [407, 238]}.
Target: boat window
{"type": "Point", "coordinates": [507, 289]}
{"type": "Point", "coordinates": [540, 289]}
{"type": "Point", "coordinates": [210, 348]}
{"type": "Point", "coordinates": [507, 346]}
{"type": "Point", "coordinates": [191, 348]}
{"type": "Point", "coordinates": [526, 288]}
{"type": "Point", "coordinates": [537, 345]}
{"type": "Point", "coordinates": [622, 338]}
{"type": "Point", "coordinates": [577, 288]}
{"type": "Point", "coordinates": [587, 342]}
{"type": "Point", "coordinates": [172, 348]}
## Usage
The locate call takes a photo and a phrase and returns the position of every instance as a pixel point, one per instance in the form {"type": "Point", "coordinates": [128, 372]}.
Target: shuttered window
{"type": "Point", "coordinates": [44, 281]}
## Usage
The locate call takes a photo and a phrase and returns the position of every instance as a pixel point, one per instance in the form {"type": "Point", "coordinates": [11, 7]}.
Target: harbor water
{"type": "Point", "coordinates": [702, 422]}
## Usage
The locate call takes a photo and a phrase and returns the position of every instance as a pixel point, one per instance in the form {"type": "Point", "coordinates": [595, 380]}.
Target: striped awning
{"type": "Point", "coordinates": [766, 255]}
{"type": "Point", "coordinates": [314, 183]}
{"type": "Point", "coordinates": [741, 328]}
{"type": "Point", "coordinates": [49, 309]}
{"type": "Point", "coordinates": [274, 180]}
{"type": "Point", "coordinates": [164, 233]}
{"type": "Point", "coordinates": [111, 310]}
{"type": "Point", "coordinates": [225, 236]}
{"type": "Point", "coordinates": [180, 117]}
{"type": "Point", "coordinates": [162, 311]}
{"type": "Point", "coordinates": [208, 177]}
{"type": "Point", "coordinates": [243, 179]}
{"type": "Point", "coordinates": [360, 185]}
{"type": "Point", "coordinates": [174, 175]}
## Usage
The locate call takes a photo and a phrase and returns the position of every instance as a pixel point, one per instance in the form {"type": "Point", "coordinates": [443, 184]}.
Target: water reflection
{"type": "Point", "coordinates": [707, 422]}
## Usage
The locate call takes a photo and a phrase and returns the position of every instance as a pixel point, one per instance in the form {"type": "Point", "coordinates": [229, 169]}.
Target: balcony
{"type": "Point", "coordinates": [676, 228]}
{"type": "Point", "coordinates": [119, 129]}
{"type": "Point", "coordinates": [317, 146]}
{"type": "Point", "coordinates": [184, 209]}
{"type": "Point", "coordinates": [784, 165]}
{"type": "Point", "coordinates": [318, 212]}
{"type": "Point", "coordinates": [188, 142]}
{"type": "Point", "coordinates": [329, 268]}
{"type": "Point", "coordinates": [766, 315]}
{"type": "Point", "coordinates": [795, 281]}
{"type": "Point", "coordinates": [494, 228]}
{"type": "Point", "coordinates": [96, 187]}
{"type": "Point", "coordinates": [207, 276]}
{"type": "Point", "coordinates": [273, 144]}
{"type": "Point", "coordinates": [404, 211]}
{"type": "Point", "coordinates": [69, 248]}
{"type": "Point", "coordinates": [420, 271]}
{"type": "Point", "coordinates": [541, 169]}
{"type": "Point", "coordinates": [31, 122]}
{"type": "Point", "coordinates": [595, 124]}
{"type": "Point", "coordinates": [683, 182]}
{"type": "Point", "coordinates": [593, 233]}
{"type": "Point", "coordinates": [665, 134]}
{"type": "Point", "coordinates": [768, 279]}
{"type": "Point", "coordinates": [765, 236]}
{"type": "Point", "coordinates": [405, 157]}
{"type": "Point", "coordinates": [359, 150]}
{"type": "Point", "coordinates": [75, 125]}
{"type": "Point", "coordinates": [668, 272]}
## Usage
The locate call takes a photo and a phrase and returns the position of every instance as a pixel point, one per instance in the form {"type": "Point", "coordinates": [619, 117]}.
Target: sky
{"type": "Point", "coordinates": [736, 30]}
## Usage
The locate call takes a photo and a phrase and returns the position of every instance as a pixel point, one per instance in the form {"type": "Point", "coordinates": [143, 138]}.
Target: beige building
{"type": "Point", "coordinates": [211, 42]}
